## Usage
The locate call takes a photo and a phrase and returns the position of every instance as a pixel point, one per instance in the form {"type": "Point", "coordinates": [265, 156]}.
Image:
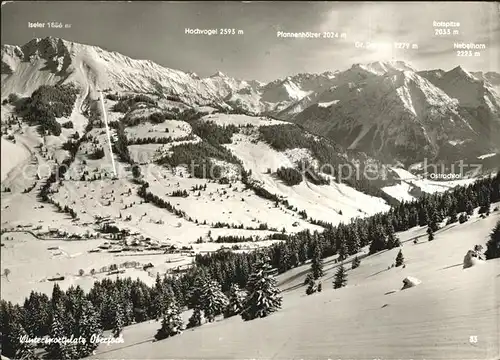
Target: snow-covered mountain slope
{"type": "Point", "coordinates": [410, 187]}
{"type": "Point", "coordinates": [452, 314]}
{"type": "Point", "coordinates": [491, 77]}
{"type": "Point", "coordinates": [281, 93]}
{"type": "Point", "coordinates": [51, 61]}
{"type": "Point", "coordinates": [477, 95]}
{"type": "Point", "coordinates": [397, 115]}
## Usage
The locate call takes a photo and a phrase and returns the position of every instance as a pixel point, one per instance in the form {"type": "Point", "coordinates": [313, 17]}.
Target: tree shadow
{"type": "Point", "coordinates": [451, 266]}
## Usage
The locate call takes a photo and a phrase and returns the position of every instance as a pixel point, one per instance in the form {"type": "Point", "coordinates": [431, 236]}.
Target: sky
{"type": "Point", "coordinates": [156, 31]}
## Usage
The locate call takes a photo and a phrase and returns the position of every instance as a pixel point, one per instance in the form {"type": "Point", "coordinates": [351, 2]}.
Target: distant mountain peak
{"type": "Point", "coordinates": [219, 74]}
{"type": "Point", "coordinates": [460, 71]}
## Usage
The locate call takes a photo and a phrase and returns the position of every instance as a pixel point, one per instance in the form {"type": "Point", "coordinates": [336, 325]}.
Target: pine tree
{"type": "Point", "coordinates": [37, 314]}
{"type": "Point", "coordinates": [493, 244]}
{"type": "Point", "coordinates": [392, 240]}
{"type": "Point", "coordinates": [263, 296]}
{"type": "Point", "coordinates": [311, 288]}
{"type": "Point", "coordinates": [469, 208]}
{"type": "Point", "coordinates": [485, 209]}
{"type": "Point", "coordinates": [430, 233]}
{"type": "Point", "coordinates": [58, 350]}
{"type": "Point", "coordinates": [213, 300]}
{"type": "Point", "coordinates": [353, 241]}
{"type": "Point", "coordinates": [236, 300]}
{"type": "Point", "coordinates": [308, 279]}
{"type": "Point", "coordinates": [340, 278]}
{"type": "Point", "coordinates": [117, 319]}
{"type": "Point", "coordinates": [355, 263]}
{"type": "Point", "coordinates": [195, 319]}
{"type": "Point", "coordinates": [88, 325]}
{"type": "Point", "coordinates": [413, 218]}
{"type": "Point", "coordinates": [196, 291]}
{"type": "Point", "coordinates": [23, 350]}
{"type": "Point", "coordinates": [317, 263]}
{"type": "Point", "coordinates": [433, 224]}
{"type": "Point", "coordinates": [400, 259]}
{"type": "Point", "coordinates": [453, 216]}
{"type": "Point", "coordinates": [320, 287]}
{"type": "Point", "coordinates": [379, 240]}
{"type": "Point", "coordinates": [463, 218]}
{"type": "Point", "coordinates": [171, 323]}
{"type": "Point", "coordinates": [7, 320]}
{"type": "Point", "coordinates": [343, 251]}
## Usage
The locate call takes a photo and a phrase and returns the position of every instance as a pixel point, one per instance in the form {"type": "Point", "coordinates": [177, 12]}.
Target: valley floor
{"type": "Point", "coordinates": [453, 314]}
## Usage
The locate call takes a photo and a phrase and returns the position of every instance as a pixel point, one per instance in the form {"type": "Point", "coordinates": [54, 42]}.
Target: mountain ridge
{"type": "Point", "coordinates": [435, 108]}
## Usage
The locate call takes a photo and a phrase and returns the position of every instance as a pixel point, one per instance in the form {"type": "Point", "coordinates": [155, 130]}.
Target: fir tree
{"type": "Point", "coordinates": [308, 279]}
{"type": "Point", "coordinates": [485, 209]}
{"type": "Point", "coordinates": [379, 240]}
{"type": "Point", "coordinates": [213, 300]}
{"type": "Point", "coordinates": [392, 241]}
{"type": "Point", "coordinates": [23, 350]}
{"type": "Point", "coordinates": [58, 350]}
{"type": "Point", "coordinates": [7, 320]}
{"type": "Point", "coordinates": [171, 323]}
{"type": "Point", "coordinates": [37, 314]}
{"type": "Point", "coordinates": [463, 218]}
{"type": "Point", "coordinates": [263, 296]}
{"type": "Point", "coordinates": [340, 277]}
{"type": "Point", "coordinates": [493, 244]}
{"type": "Point", "coordinates": [353, 242]}
{"type": "Point", "coordinates": [311, 288]}
{"type": "Point", "coordinates": [195, 319]}
{"type": "Point", "coordinates": [117, 319]}
{"type": "Point", "coordinates": [469, 208]}
{"type": "Point", "coordinates": [343, 251]}
{"type": "Point", "coordinates": [355, 263]}
{"type": "Point", "coordinates": [400, 259]}
{"type": "Point", "coordinates": [88, 325]}
{"type": "Point", "coordinates": [433, 225]}
{"type": "Point", "coordinates": [196, 293]}
{"type": "Point", "coordinates": [317, 263]}
{"type": "Point", "coordinates": [430, 233]}
{"type": "Point", "coordinates": [236, 300]}
{"type": "Point", "coordinates": [453, 216]}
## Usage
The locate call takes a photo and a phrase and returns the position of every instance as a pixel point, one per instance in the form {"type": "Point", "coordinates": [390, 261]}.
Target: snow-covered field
{"type": "Point", "coordinates": [452, 314]}
{"type": "Point", "coordinates": [332, 203]}
{"type": "Point", "coordinates": [12, 155]}
{"type": "Point", "coordinates": [410, 186]}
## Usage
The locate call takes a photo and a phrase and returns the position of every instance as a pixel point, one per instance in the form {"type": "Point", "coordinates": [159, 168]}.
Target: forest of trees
{"type": "Point", "coordinates": [290, 176]}
{"type": "Point", "coordinates": [114, 304]}
{"type": "Point", "coordinates": [493, 244]}
{"type": "Point", "coordinates": [329, 156]}
{"type": "Point", "coordinates": [138, 302]}
{"type": "Point", "coordinates": [198, 157]}
{"type": "Point", "coordinates": [211, 288]}
{"type": "Point", "coordinates": [97, 154]}
{"type": "Point", "coordinates": [127, 102]}
{"type": "Point", "coordinates": [46, 104]}
{"type": "Point", "coordinates": [212, 133]}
